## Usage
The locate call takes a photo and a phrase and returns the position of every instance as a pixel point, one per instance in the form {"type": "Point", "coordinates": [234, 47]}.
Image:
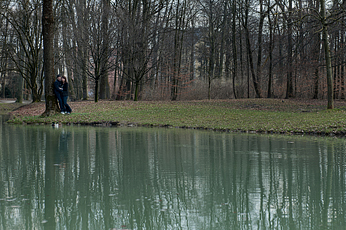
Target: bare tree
{"type": "Point", "coordinates": [136, 19]}
{"type": "Point", "coordinates": [216, 17]}
{"type": "Point", "coordinates": [104, 86]}
{"type": "Point", "coordinates": [4, 55]}
{"type": "Point", "coordinates": [179, 30]}
{"type": "Point", "coordinates": [99, 34]}
{"type": "Point", "coordinates": [48, 55]}
{"type": "Point", "coordinates": [77, 16]}
{"type": "Point", "coordinates": [25, 21]}
{"type": "Point", "coordinates": [325, 35]}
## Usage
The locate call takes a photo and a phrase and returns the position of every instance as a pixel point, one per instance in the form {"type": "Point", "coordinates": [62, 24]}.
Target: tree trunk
{"type": "Point", "coordinates": [19, 94]}
{"type": "Point", "coordinates": [289, 91]}
{"type": "Point", "coordinates": [316, 82]}
{"type": "Point", "coordinates": [84, 74]}
{"type": "Point", "coordinates": [19, 79]}
{"type": "Point", "coordinates": [82, 42]}
{"type": "Point", "coordinates": [178, 40]}
{"type": "Point", "coordinates": [234, 47]}
{"type": "Point", "coordinates": [259, 54]}
{"type": "Point", "coordinates": [192, 55]}
{"type": "Point", "coordinates": [136, 91]}
{"type": "Point", "coordinates": [35, 96]}
{"type": "Point", "coordinates": [48, 56]}
{"type": "Point", "coordinates": [342, 68]}
{"type": "Point", "coordinates": [327, 56]}
{"type": "Point", "coordinates": [271, 45]}
{"type": "Point", "coordinates": [119, 95]}
{"type": "Point", "coordinates": [211, 68]}
{"type": "Point", "coordinates": [342, 79]}
{"type": "Point", "coordinates": [177, 54]}
{"type": "Point", "coordinates": [96, 98]}
{"type": "Point", "coordinates": [253, 74]}
{"type": "Point", "coordinates": [104, 84]}
{"type": "Point", "coordinates": [3, 85]}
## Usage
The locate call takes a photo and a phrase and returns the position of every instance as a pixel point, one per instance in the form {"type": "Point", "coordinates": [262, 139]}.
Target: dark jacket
{"type": "Point", "coordinates": [57, 87]}
{"type": "Point", "coordinates": [65, 89]}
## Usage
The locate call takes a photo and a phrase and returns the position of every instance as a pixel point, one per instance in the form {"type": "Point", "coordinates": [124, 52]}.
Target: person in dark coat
{"type": "Point", "coordinates": [67, 108]}
{"type": "Point", "coordinates": [58, 92]}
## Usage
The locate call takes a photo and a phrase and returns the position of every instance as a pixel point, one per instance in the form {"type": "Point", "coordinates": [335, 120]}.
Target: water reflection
{"type": "Point", "coordinates": [127, 178]}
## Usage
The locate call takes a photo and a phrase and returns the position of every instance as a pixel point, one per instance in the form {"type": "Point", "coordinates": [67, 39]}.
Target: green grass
{"type": "Point", "coordinates": [5, 108]}
{"type": "Point", "coordinates": [253, 115]}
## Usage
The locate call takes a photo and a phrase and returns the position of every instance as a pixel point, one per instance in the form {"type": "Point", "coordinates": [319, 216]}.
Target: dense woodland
{"type": "Point", "coordinates": [177, 49]}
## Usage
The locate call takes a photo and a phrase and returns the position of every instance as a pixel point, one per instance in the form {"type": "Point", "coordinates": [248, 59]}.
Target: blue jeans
{"type": "Point", "coordinates": [61, 103]}
{"type": "Point", "coordinates": [67, 108]}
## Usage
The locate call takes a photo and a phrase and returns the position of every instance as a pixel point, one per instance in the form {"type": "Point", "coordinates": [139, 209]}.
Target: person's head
{"type": "Point", "coordinates": [63, 79]}
{"type": "Point", "coordinates": [58, 77]}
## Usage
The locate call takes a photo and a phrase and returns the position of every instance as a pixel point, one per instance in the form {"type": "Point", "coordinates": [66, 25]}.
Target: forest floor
{"type": "Point", "coordinates": [241, 115]}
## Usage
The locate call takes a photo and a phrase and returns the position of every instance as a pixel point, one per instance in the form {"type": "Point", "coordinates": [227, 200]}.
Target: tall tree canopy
{"type": "Point", "coordinates": [176, 49]}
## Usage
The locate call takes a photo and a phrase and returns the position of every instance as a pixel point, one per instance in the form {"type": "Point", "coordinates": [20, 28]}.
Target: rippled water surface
{"type": "Point", "coordinates": [137, 178]}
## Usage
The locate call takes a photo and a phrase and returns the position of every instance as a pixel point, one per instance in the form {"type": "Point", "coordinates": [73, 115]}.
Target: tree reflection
{"type": "Point", "coordinates": [97, 178]}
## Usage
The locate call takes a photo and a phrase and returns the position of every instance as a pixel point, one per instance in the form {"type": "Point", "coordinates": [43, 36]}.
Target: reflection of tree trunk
{"type": "Point", "coordinates": [289, 191]}
{"type": "Point", "coordinates": [328, 185]}
{"type": "Point", "coordinates": [262, 194]}
{"type": "Point", "coordinates": [102, 163]}
{"type": "Point", "coordinates": [234, 181]}
{"type": "Point", "coordinates": [247, 184]}
{"type": "Point", "coordinates": [49, 209]}
{"type": "Point", "coordinates": [315, 186]}
{"type": "Point", "coordinates": [272, 178]}
{"type": "Point", "coordinates": [84, 176]}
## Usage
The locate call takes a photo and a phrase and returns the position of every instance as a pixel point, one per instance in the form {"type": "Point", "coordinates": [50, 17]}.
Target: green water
{"type": "Point", "coordinates": [136, 178]}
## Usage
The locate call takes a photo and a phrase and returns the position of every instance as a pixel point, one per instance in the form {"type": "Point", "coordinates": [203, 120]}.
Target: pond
{"type": "Point", "coordinates": [147, 178]}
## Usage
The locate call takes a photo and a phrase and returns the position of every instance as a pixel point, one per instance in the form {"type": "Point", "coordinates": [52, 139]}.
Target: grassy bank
{"type": "Point", "coordinates": [247, 115]}
{"type": "Point", "coordinates": [7, 106]}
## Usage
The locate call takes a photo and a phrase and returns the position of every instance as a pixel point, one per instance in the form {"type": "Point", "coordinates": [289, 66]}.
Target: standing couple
{"type": "Point", "coordinates": [61, 93]}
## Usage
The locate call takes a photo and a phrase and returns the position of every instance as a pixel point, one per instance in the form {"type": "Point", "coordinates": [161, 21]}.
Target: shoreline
{"type": "Point", "coordinates": [262, 116]}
